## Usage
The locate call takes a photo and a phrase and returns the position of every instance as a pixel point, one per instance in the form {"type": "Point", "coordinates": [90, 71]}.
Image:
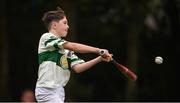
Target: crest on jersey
{"type": "Point", "coordinates": [64, 62]}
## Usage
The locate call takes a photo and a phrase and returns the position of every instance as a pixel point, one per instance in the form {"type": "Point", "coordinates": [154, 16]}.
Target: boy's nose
{"type": "Point", "coordinates": [68, 26]}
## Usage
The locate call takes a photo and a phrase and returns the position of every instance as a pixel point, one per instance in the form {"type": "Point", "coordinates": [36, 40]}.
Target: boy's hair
{"type": "Point", "coordinates": [50, 16]}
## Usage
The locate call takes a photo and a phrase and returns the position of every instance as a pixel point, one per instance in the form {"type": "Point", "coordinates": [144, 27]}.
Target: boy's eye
{"type": "Point", "coordinates": [65, 22]}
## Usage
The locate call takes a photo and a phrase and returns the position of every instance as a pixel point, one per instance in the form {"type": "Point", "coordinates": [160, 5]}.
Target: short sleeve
{"type": "Point", "coordinates": [73, 59]}
{"type": "Point", "coordinates": [55, 42]}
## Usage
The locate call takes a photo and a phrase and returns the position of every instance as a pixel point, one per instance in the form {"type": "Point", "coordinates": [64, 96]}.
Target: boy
{"type": "Point", "coordinates": [56, 56]}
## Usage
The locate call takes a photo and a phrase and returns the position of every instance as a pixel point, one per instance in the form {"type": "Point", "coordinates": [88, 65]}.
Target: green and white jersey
{"type": "Point", "coordinates": [54, 62]}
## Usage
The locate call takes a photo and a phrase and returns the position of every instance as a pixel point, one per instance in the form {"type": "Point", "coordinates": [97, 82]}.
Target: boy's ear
{"type": "Point", "coordinates": [53, 24]}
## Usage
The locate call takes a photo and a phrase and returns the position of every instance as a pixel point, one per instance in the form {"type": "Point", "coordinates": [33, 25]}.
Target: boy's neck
{"type": "Point", "coordinates": [54, 33]}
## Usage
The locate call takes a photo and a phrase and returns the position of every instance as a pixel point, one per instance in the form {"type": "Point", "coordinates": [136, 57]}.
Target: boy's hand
{"type": "Point", "coordinates": [105, 55]}
{"type": "Point", "coordinates": [103, 52]}
{"type": "Point", "coordinates": [107, 59]}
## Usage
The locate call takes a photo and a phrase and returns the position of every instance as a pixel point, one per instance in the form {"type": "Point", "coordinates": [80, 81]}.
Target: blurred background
{"type": "Point", "coordinates": [135, 31]}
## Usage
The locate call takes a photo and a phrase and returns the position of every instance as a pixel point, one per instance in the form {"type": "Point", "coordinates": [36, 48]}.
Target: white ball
{"type": "Point", "coordinates": [158, 60]}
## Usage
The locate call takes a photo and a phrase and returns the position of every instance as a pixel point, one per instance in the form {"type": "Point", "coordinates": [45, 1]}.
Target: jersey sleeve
{"type": "Point", "coordinates": [73, 59]}
{"type": "Point", "coordinates": [54, 42]}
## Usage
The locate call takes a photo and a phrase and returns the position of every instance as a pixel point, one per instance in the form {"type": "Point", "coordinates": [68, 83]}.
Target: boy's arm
{"type": "Point", "coordinates": [78, 68]}
{"type": "Point", "coordinates": [81, 48]}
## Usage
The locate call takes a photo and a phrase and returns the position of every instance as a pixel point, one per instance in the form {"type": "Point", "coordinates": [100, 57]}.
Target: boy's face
{"type": "Point", "coordinates": [62, 27]}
